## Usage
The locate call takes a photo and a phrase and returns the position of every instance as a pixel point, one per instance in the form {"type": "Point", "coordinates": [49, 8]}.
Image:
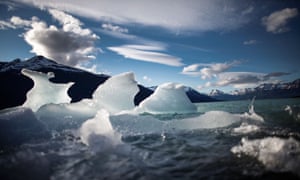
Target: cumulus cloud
{"type": "Point", "coordinates": [148, 53]}
{"type": "Point", "coordinates": [71, 44]}
{"type": "Point", "coordinates": [277, 21]}
{"type": "Point", "coordinates": [208, 70]}
{"type": "Point", "coordinates": [169, 14]}
{"type": "Point", "coordinates": [250, 42]}
{"type": "Point", "coordinates": [114, 28]}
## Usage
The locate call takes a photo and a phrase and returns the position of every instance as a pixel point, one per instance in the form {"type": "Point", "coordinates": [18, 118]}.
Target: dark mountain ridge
{"type": "Point", "coordinates": [15, 85]}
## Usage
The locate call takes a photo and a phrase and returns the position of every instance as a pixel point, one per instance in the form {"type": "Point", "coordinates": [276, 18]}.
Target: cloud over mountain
{"type": "Point", "coordinates": [69, 44]}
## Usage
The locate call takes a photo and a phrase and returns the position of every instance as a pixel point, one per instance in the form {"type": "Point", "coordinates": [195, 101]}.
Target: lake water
{"type": "Point", "coordinates": [222, 141]}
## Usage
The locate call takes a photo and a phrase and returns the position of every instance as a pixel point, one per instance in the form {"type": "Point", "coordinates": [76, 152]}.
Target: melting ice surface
{"type": "Point", "coordinates": [44, 91]}
{"type": "Point", "coordinates": [117, 93]}
{"type": "Point", "coordinates": [168, 98]}
{"type": "Point", "coordinates": [275, 153]}
{"type": "Point", "coordinates": [166, 134]}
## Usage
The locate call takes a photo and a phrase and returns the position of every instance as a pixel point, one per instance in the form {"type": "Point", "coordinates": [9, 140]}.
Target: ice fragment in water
{"type": "Point", "coordinates": [117, 93]}
{"type": "Point", "coordinates": [168, 98]}
{"type": "Point", "coordinates": [98, 133]}
{"type": "Point", "coordinates": [44, 91]}
{"type": "Point", "coordinates": [276, 154]}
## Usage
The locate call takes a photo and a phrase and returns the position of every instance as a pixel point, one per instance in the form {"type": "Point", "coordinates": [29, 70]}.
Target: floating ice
{"type": "Point", "coordinates": [246, 128]}
{"type": "Point", "coordinates": [168, 98]}
{"type": "Point", "coordinates": [19, 125]}
{"type": "Point", "coordinates": [211, 119]}
{"type": "Point", "coordinates": [293, 111]}
{"type": "Point", "coordinates": [117, 93]}
{"type": "Point", "coordinates": [44, 91]}
{"type": "Point", "coordinates": [251, 115]}
{"type": "Point", "coordinates": [62, 116]}
{"type": "Point", "coordinates": [275, 153]}
{"type": "Point", "coordinates": [98, 132]}
{"type": "Point", "coordinates": [129, 124]}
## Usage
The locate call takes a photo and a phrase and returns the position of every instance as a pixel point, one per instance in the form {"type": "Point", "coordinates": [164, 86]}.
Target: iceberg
{"type": "Point", "coordinates": [117, 93]}
{"type": "Point", "coordinates": [168, 98]}
{"type": "Point", "coordinates": [44, 91]}
{"type": "Point", "coordinates": [98, 132]}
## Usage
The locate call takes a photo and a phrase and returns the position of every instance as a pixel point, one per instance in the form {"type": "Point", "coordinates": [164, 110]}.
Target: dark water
{"type": "Point", "coordinates": [187, 153]}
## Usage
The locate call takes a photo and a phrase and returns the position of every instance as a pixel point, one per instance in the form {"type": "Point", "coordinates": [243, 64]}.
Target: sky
{"type": "Point", "coordinates": [216, 44]}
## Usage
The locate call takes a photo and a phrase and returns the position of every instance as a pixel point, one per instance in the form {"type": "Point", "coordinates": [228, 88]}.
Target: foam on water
{"type": "Point", "coordinates": [117, 93]}
{"type": "Point", "coordinates": [246, 128]}
{"type": "Point", "coordinates": [168, 98]}
{"type": "Point", "coordinates": [293, 111]}
{"type": "Point", "coordinates": [98, 133]}
{"type": "Point", "coordinates": [44, 91]}
{"type": "Point", "coordinates": [251, 115]}
{"type": "Point", "coordinates": [276, 154]}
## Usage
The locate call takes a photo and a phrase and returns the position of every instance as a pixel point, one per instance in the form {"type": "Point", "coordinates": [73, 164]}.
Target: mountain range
{"type": "Point", "coordinates": [262, 91]}
{"type": "Point", "coordinates": [15, 85]}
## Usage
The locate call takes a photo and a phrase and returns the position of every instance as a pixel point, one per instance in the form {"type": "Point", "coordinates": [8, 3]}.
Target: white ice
{"type": "Point", "coordinates": [66, 115]}
{"type": "Point", "coordinates": [246, 128]}
{"type": "Point", "coordinates": [276, 154]}
{"type": "Point", "coordinates": [98, 133]}
{"type": "Point", "coordinates": [117, 93]}
{"type": "Point", "coordinates": [44, 91]}
{"type": "Point", "coordinates": [168, 98]}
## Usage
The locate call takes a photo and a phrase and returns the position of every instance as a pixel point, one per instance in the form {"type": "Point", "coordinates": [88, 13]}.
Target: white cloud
{"type": "Point", "coordinates": [250, 42]}
{"type": "Point", "coordinates": [6, 25]}
{"type": "Point", "coordinates": [208, 70]}
{"type": "Point", "coordinates": [114, 28]}
{"type": "Point", "coordinates": [277, 21]}
{"type": "Point", "coordinates": [239, 78]}
{"type": "Point", "coordinates": [245, 79]}
{"type": "Point", "coordinates": [175, 15]}
{"type": "Point", "coordinates": [71, 44]}
{"type": "Point", "coordinates": [148, 53]}
{"type": "Point", "coordinates": [92, 69]}
{"type": "Point", "coordinates": [147, 79]}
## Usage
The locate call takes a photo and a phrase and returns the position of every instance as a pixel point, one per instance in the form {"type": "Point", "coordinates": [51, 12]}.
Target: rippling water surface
{"type": "Point", "coordinates": [177, 146]}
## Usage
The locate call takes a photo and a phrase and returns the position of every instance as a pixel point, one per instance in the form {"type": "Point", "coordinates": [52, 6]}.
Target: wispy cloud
{"type": "Point", "coordinates": [148, 53]}
{"type": "Point", "coordinates": [114, 28]}
{"type": "Point", "coordinates": [70, 44]}
{"type": "Point", "coordinates": [174, 15]}
{"type": "Point", "coordinates": [250, 42]}
{"type": "Point", "coordinates": [207, 71]}
{"type": "Point", "coordinates": [277, 21]}
{"type": "Point", "coordinates": [244, 79]}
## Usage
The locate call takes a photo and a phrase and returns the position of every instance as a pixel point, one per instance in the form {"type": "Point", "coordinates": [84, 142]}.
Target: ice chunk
{"type": "Point", "coordinates": [211, 119]}
{"type": "Point", "coordinates": [168, 98]}
{"type": "Point", "coordinates": [66, 116]}
{"type": "Point", "coordinates": [246, 128]}
{"type": "Point", "coordinates": [129, 124]}
{"type": "Point", "coordinates": [293, 111]}
{"type": "Point", "coordinates": [275, 153]}
{"type": "Point", "coordinates": [117, 93]}
{"type": "Point", "coordinates": [44, 91]}
{"type": "Point", "coordinates": [19, 125]}
{"type": "Point", "coordinates": [251, 115]}
{"type": "Point", "coordinates": [98, 132]}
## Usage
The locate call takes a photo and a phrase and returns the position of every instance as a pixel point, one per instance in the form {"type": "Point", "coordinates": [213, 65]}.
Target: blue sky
{"type": "Point", "coordinates": [218, 44]}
